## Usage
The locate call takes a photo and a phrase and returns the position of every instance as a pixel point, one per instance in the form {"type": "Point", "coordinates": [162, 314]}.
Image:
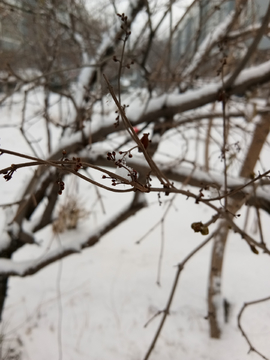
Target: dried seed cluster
{"type": "Point", "coordinates": [121, 163]}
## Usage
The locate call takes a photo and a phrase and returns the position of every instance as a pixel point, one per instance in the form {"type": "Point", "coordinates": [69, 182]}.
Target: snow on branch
{"type": "Point", "coordinates": [246, 32]}
{"type": "Point", "coordinates": [107, 42]}
{"type": "Point", "coordinates": [74, 245]}
{"type": "Point", "coordinates": [169, 105]}
{"type": "Point", "coordinates": [211, 39]}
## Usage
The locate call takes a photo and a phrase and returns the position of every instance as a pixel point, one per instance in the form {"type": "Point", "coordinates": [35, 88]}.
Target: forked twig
{"type": "Point", "coordinates": [66, 166]}
{"type": "Point", "coordinates": [251, 347]}
{"type": "Point", "coordinates": [162, 178]}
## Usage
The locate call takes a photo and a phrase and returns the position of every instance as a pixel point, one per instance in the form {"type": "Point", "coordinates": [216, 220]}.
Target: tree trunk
{"type": "Point", "coordinates": [215, 276]}
{"type": "Point", "coordinates": [3, 283]}
{"type": "Point", "coordinates": [3, 293]}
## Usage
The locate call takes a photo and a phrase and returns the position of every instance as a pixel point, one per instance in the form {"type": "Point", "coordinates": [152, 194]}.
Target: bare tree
{"type": "Point", "coordinates": [115, 85]}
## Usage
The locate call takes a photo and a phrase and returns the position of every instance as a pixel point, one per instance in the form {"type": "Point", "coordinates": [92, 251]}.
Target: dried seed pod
{"type": "Point", "coordinates": [145, 141]}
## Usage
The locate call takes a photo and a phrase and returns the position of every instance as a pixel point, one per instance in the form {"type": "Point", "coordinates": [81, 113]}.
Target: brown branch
{"type": "Point", "coordinates": [206, 95]}
{"type": "Point", "coordinates": [258, 215]}
{"type": "Point", "coordinates": [250, 241]}
{"type": "Point", "coordinates": [11, 268]}
{"type": "Point", "coordinates": [166, 311]}
{"type": "Point", "coordinates": [246, 33]}
{"type": "Point", "coordinates": [152, 34]}
{"type": "Point", "coordinates": [252, 48]}
{"type": "Point", "coordinates": [160, 253]}
{"type": "Point", "coordinates": [245, 305]}
{"type": "Point", "coordinates": [224, 149]}
{"type": "Point", "coordinates": [201, 181]}
{"type": "Point", "coordinates": [63, 167]}
{"type": "Point", "coordinates": [162, 178]}
{"type": "Point", "coordinates": [210, 41]}
{"type": "Point", "coordinates": [23, 120]}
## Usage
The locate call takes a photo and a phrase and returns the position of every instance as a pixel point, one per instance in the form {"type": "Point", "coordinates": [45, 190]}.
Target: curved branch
{"type": "Point", "coordinates": [245, 305]}
{"type": "Point", "coordinates": [166, 311]}
{"type": "Point", "coordinates": [202, 179]}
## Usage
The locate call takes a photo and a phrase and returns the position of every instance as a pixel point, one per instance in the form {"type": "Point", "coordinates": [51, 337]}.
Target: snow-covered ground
{"type": "Point", "coordinates": [99, 300]}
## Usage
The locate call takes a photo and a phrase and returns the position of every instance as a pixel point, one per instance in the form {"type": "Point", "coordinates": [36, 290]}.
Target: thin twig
{"type": "Point", "coordinates": [258, 215]}
{"type": "Point", "coordinates": [225, 137]}
{"type": "Point", "coordinates": [166, 312]}
{"type": "Point", "coordinates": [62, 165]}
{"type": "Point", "coordinates": [60, 309]}
{"type": "Point", "coordinates": [156, 225]}
{"type": "Point", "coordinates": [238, 188]}
{"type": "Point", "coordinates": [47, 120]}
{"type": "Point", "coordinates": [23, 120]}
{"type": "Point", "coordinates": [251, 347]}
{"type": "Point", "coordinates": [98, 195]}
{"type": "Point", "coordinates": [162, 178]}
{"type": "Point", "coordinates": [153, 317]}
{"type": "Point", "coordinates": [252, 48]}
{"type": "Point", "coordinates": [160, 253]}
{"type": "Point", "coordinates": [134, 184]}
